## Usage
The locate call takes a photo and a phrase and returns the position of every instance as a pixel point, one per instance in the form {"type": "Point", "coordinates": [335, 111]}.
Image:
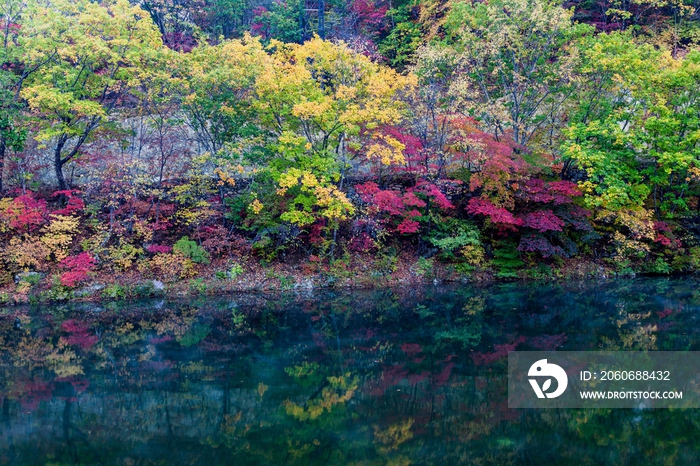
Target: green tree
{"type": "Point", "coordinates": [517, 62]}
{"type": "Point", "coordinates": [220, 91]}
{"type": "Point", "coordinates": [14, 72]}
{"type": "Point", "coordinates": [636, 129]}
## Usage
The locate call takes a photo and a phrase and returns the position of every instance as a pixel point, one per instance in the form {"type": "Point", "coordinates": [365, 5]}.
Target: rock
{"type": "Point", "coordinates": [158, 285]}
{"type": "Point", "coordinates": [89, 290]}
{"type": "Point", "coordinates": [31, 277]}
{"type": "Point", "coordinates": [304, 285]}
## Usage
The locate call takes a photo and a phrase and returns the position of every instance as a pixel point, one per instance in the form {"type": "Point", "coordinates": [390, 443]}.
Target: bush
{"type": "Point", "coordinates": [77, 269]}
{"type": "Point", "coordinates": [123, 257]}
{"type": "Point", "coordinates": [114, 291]}
{"type": "Point", "coordinates": [235, 272]}
{"type": "Point", "coordinates": [191, 250]}
{"type": "Point", "coordinates": [658, 266]}
{"type": "Point", "coordinates": [451, 235]}
{"type": "Point", "coordinates": [386, 262]}
{"type": "Point", "coordinates": [424, 267]}
{"type": "Point", "coordinates": [198, 286]}
{"type": "Point", "coordinates": [506, 260]}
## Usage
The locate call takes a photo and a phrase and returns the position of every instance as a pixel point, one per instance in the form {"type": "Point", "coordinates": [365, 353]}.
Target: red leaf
{"type": "Point", "coordinates": [498, 215]}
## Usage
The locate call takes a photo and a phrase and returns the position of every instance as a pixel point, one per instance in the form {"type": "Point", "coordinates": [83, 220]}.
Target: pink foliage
{"type": "Point", "coordinates": [361, 243]}
{"type": "Point", "coordinates": [30, 392]}
{"type": "Point", "coordinates": [497, 164]}
{"type": "Point", "coordinates": [391, 376]}
{"type": "Point", "coordinates": [257, 27]}
{"type": "Point", "coordinates": [413, 144]}
{"type": "Point", "coordinates": [415, 379]}
{"type": "Point", "coordinates": [77, 267]}
{"type": "Point", "coordinates": [407, 227]}
{"type": "Point", "coordinates": [662, 227]}
{"type": "Point", "coordinates": [665, 236]}
{"type": "Point", "coordinates": [433, 192]}
{"type": "Point", "coordinates": [367, 190]}
{"type": "Point", "coordinates": [444, 375]}
{"type": "Point", "coordinates": [565, 188]}
{"type": "Point", "coordinates": [498, 215]}
{"type": "Point", "coordinates": [25, 212]}
{"type": "Point", "coordinates": [556, 192]}
{"type": "Point", "coordinates": [74, 204]}
{"type": "Point", "coordinates": [500, 351]}
{"type": "Point", "coordinates": [159, 340]}
{"type": "Point", "coordinates": [548, 342]}
{"type": "Point", "coordinates": [411, 349]}
{"type": "Point", "coordinates": [390, 202]}
{"type": "Point", "coordinates": [369, 14]}
{"type": "Point", "coordinates": [666, 241]}
{"type": "Point", "coordinates": [159, 248]}
{"type": "Point", "coordinates": [404, 206]}
{"type": "Point", "coordinates": [179, 41]}
{"type": "Point", "coordinates": [411, 200]}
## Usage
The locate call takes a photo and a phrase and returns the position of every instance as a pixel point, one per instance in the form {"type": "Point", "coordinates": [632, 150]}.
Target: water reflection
{"type": "Point", "coordinates": [382, 377]}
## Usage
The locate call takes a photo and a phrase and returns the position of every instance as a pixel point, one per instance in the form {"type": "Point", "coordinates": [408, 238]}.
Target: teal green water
{"type": "Point", "coordinates": [366, 378]}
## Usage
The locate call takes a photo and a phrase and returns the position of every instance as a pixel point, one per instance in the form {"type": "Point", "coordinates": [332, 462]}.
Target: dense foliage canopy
{"type": "Point", "coordinates": [164, 137]}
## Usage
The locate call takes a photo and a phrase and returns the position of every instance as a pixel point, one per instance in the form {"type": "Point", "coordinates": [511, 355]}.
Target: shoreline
{"type": "Point", "coordinates": [256, 277]}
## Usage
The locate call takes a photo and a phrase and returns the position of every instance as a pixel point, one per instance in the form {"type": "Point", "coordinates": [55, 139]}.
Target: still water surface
{"type": "Point", "coordinates": [364, 378]}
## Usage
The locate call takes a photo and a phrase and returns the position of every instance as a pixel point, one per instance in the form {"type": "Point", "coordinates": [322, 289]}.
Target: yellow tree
{"type": "Point", "coordinates": [324, 104]}
{"type": "Point", "coordinates": [96, 54]}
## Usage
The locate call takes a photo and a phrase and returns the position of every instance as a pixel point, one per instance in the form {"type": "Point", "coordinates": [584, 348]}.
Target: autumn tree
{"type": "Point", "coordinates": [638, 139]}
{"type": "Point", "coordinates": [219, 93]}
{"type": "Point", "coordinates": [97, 54]}
{"type": "Point", "coordinates": [433, 110]}
{"type": "Point", "coordinates": [325, 106]}
{"type": "Point", "coordinates": [516, 65]}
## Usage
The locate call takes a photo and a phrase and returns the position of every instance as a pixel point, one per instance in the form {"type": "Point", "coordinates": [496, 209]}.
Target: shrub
{"type": "Point", "coordinates": [198, 286]}
{"type": "Point", "coordinates": [114, 291]}
{"type": "Point", "coordinates": [424, 267]}
{"type": "Point", "coordinates": [450, 235]}
{"type": "Point", "coordinates": [159, 248]}
{"type": "Point", "coordinates": [236, 271]}
{"type": "Point", "coordinates": [78, 268]}
{"type": "Point", "coordinates": [506, 260]}
{"type": "Point", "coordinates": [27, 253]}
{"type": "Point", "coordinates": [191, 250]}
{"type": "Point", "coordinates": [124, 256]}
{"type": "Point", "coordinates": [658, 266]}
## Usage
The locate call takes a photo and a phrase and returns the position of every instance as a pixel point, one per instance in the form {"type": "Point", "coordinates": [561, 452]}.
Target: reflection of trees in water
{"type": "Point", "coordinates": [414, 376]}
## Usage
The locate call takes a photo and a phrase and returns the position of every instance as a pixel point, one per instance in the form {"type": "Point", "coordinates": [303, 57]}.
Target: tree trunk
{"type": "Point", "coordinates": [58, 167]}
{"type": "Point", "coordinates": [59, 162]}
{"type": "Point", "coordinates": [322, 19]}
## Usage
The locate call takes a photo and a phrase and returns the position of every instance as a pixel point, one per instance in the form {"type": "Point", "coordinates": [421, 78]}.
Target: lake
{"type": "Point", "coordinates": [380, 377]}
